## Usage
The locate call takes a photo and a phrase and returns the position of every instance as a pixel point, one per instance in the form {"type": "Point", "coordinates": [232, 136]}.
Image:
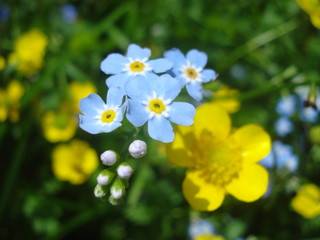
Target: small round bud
{"type": "Point", "coordinates": [109, 158]}
{"type": "Point", "coordinates": [124, 171]}
{"type": "Point", "coordinates": [117, 189]}
{"type": "Point", "coordinates": [105, 177]}
{"type": "Point", "coordinates": [138, 149]}
{"type": "Point", "coordinates": [99, 191]}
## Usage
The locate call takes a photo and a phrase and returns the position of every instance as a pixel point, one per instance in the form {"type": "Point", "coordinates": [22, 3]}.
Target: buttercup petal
{"type": "Point", "coordinates": [197, 58]}
{"type": "Point", "coordinates": [181, 113]}
{"type": "Point", "coordinates": [251, 184]}
{"type": "Point", "coordinates": [113, 63]}
{"type": "Point", "coordinates": [213, 121]}
{"type": "Point", "coordinates": [208, 75]}
{"type": "Point", "coordinates": [159, 128]}
{"type": "Point", "coordinates": [181, 151]}
{"type": "Point", "coordinates": [115, 97]}
{"type": "Point", "coordinates": [137, 52]}
{"type": "Point", "coordinates": [201, 195]}
{"type": "Point", "coordinates": [91, 104]}
{"type": "Point", "coordinates": [254, 141]}
{"type": "Point", "coordinates": [136, 113]}
{"type": "Point", "coordinates": [160, 65]}
{"type": "Point", "coordinates": [194, 89]}
{"type": "Point", "coordinates": [176, 57]}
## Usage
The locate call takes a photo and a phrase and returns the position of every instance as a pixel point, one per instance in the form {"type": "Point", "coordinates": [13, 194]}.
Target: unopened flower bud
{"type": "Point", "coordinates": [113, 201]}
{"type": "Point", "coordinates": [100, 191]}
{"type": "Point", "coordinates": [138, 149]}
{"type": "Point", "coordinates": [124, 171]}
{"type": "Point", "coordinates": [105, 177]}
{"type": "Point", "coordinates": [109, 157]}
{"type": "Point", "coordinates": [117, 189]}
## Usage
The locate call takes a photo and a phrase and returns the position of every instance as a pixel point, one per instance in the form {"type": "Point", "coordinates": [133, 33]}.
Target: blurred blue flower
{"type": "Point", "coordinates": [281, 156]}
{"type": "Point", "coordinates": [4, 12]}
{"type": "Point", "coordinates": [199, 227]}
{"type": "Point", "coordinates": [99, 117]}
{"type": "Point", "coordinates": [190, 70]}
{"type": "Point", "coordinates": [151, 100]}
{"type": "Point", "coordinates": [136, 62]}
{"type": "Point", "coordinates": [308, 114]}
{"type": "Point", "coordinates": [283, 126]}
{"type": "Point", "coordinates": [286, 106]}
{"type": "Point", "coordinates": [69, 13]}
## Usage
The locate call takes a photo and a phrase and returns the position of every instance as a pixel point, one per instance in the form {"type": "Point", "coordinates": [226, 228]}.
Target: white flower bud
{"type": "Point", "coordinates": [99, 191]}
{"type": "Point", "coordinates": [109, 157]}
{"type": "Point", "coordinates": [117, 189]}
{"type": "Point", "coordinates": [117, 193]}
{"type": "Point", "coordinates": [105, 177]}
{"type": "Point", "coordinates": [138, 149]}
{"type": "Point", "coordinates": [124, 171]}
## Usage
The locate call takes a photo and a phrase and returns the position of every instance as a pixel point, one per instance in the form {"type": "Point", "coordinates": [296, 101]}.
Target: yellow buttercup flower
{"type": "Point", "coordinates": [59, 125]}
{"type": "Point", "coordinates": [74, 162]}
{"type": "Point", "coordinates": [79, 90]}
{"type": "Point", "coordinates": [225, 97]}
{"type": "Point", "coordinates": [312, 7]}
{"type": "Point", "coordinates": [220, 161]}
{"type": "Point", "coordinates": [2, 63]}
{"type": "Point", "coordinates": [209, 237]}
{"type": "Point", "coordinates": [10, 101]}
{"type": "Point", "coordinates": [307, 201]}
{"type": "Point", "coordinates": [29, 50]}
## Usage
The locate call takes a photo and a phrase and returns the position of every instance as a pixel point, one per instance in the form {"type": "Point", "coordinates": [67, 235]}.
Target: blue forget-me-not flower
{"type": "Point", "coordinates": [99, 117]}
{"type": "Point", "coordinates": [283, 126]}
{"type": "Point", "coordinates": [286, 106]}
{"type": "Point", "coordinates": [189, 70]}
{"type": "Point", "coordinates": [136, 62]}
{"type": "Point", "coordinates": [281, 156]}
{"type": "Point", "coordinates": [199, 227]}
{"type": "Point", "coordinates": [151, 100]}
{"type": "Point", "coordinates": [69, 13]}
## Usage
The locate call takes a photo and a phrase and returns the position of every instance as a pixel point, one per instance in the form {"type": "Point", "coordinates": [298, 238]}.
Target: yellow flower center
{"type": "Point", "coordinates": [157, 106]}
{"type": "Point", "coordinates": [137, 66]}
{"type": "Point", "coordinates": [221, 164]}
{"type": "Point", "coordinates": [191, 73]}
{"type": "Point", "coordinates": [108, 116]}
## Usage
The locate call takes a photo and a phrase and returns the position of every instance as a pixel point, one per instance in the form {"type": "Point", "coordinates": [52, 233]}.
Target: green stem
{"type": "Point", "coordinates": [259, 41]}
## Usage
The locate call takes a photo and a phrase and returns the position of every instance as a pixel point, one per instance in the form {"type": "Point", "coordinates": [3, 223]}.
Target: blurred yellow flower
{"type": "Point", "coordinates": [10, 101]}
{"type": "Point", "coordinates": [2, 63]}
{"type": "Point", "coordinates": [225, 97]}
{"type": "Point", "coordinates": [29, 50]}
{"type": "Point", "coordinates": [307, 201]}
{"type": "Point", "coordinates": [209, 237]}
{"type": "Point", "coordinates": [220, 161]}
{"type": "Point", "coordinates": [312, 7]}
{"type": "Point", "coordinates": [59, 125]}
{"type": "Point", "coordinates": [80, 90]}
{"type": "Point", "coordinates": [74, 162]}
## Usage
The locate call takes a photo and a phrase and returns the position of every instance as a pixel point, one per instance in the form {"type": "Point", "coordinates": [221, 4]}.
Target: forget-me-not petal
{"type": "Point", "coordinates": [160, 65]}
{"type": "Point", "coordinates": [194, 89]}
{"type": "Point", "coordinates": [207, 75]}
{"type": "Point", "coordinates": [197, 58]}
{"type": "Point", "coordinates": [137, 52]}
{"type": "Point", "coordinates": [113, 63]}
{"type": "Point", "coordinates": [138, 88]}
{"type": "Point", "coordinates": [115, 96]}
{"type": "Point", "coordinates": [117, 80]}
{"type": "Point", "coordinates": [166, 86]}
{"type": "Point", "coordinates": [159, 128]}
{"type": "Point", "coordinates": [137, 113]}
{"type": "Point", "coordinates": [181, 113]}
{"type": "Point", "coordinates": [91, 104]}
{"type": "Point", "coordinates": [176, 57]}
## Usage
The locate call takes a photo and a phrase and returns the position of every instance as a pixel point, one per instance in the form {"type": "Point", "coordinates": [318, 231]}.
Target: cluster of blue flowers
{"type": "Point", "coordinates": [282, 156]}
{"type": "Point", "coordinates": [291, 105]}
{"type": "Point", "coordinates": [144, 90]}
